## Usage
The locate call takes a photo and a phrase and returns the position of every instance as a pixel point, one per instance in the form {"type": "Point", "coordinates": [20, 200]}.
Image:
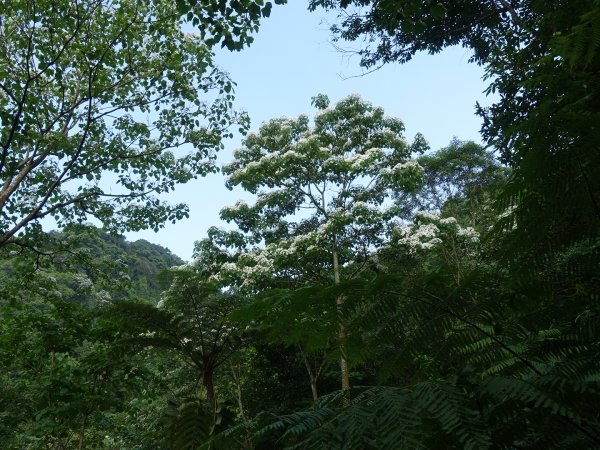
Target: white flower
{"type": "Point", "coordinates": [367, 158]}
{"type": "Point", "coordinates": [448, 221]}
{"type": "Point", "coordinates": [430, 215]}
{"type": "Point", "coordinates": [410, 164]}
{"type": "Point", "coordinates": [423, 237]}
{"type": "Point", "coordinates": [468, 233]}
{"type": "Point", "coordinates": [238, 205]}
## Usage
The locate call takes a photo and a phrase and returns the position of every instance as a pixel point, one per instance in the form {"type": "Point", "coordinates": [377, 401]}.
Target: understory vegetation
{"type": "Point", "coordinates": [375, 293]}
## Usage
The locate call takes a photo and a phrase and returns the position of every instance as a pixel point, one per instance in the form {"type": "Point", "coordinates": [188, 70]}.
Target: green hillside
{"type": "Point", "coordinates": [90, 265]}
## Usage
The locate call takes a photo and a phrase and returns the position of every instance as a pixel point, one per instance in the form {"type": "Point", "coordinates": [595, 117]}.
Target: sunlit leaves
{"type": "Point", "coordinates": [105, 105]}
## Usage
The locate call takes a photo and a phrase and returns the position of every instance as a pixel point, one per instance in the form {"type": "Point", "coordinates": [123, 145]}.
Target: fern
{"type": "Point", "coordinates": [513, 362]}
{"type": "Point", "coordinates": [582, 43]}
{"type": "Point", "coordinates": [389, 418]}
{"type": "Point", "coordinates": [188, 422]}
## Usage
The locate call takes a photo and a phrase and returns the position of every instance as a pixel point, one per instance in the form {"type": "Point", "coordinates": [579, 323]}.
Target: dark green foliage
{"type": "Point", "coordinates": [477, 370]}
{"type": "Point", "coordinates": [64, 364]}
{"type": "Point", "coordinates": [430, 415]}
{"type": "Point", "coordinates": [518, 329]}
{"type": "Point", "coordinates": [461, 181]}
{"type": "Point", "coordinates": [92, 266]}
{"type": "Point", "coordinates": [189, 424]}
{"type": "Point", "coordinates": [400, 29]}
{"type": "Point", "coordinates": [144, 262]}
{"type": "Point", "coordinates": [273, 370]}
{"type": "Point", "coordinates": [62, 374]}
{"type": "Point", "coordinates": [228, 23]}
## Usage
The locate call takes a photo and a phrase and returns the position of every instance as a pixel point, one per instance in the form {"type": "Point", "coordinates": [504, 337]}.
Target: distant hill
{"type": "Point", "coordinates": [144, 260]}
{"type": "Point", "coordinates": [96, 265]}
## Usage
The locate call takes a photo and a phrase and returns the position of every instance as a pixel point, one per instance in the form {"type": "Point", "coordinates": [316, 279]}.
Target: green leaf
{"type": "Point", "coordinates": [438, 11]}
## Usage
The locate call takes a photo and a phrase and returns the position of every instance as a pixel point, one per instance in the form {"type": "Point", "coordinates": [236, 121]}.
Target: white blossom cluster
{"type": "Point", "coordinates": [349, 98]}
{"type": "Point", "coordinates": [421, 237]}
{"type": "Point", "coordinates": [291, 154]}
{"type": "Point", "coordinates": [149, 334]}
{"type": "Point", "coordinates": [449, 221]}
{"type": "Point", "coordinates": [263, 263]}
{"type": "Point", "coordinates": [363, 160]}
{"type": "Point", "coordinates": [251, 266]}
{"type": "Point", "coordinates": [411, 164]}
{"type": "Point", "coordinates": [374, 258]}
{"type": "Point", "coordinates": [322, 112]}
{"type": "Point", "coordinates": [338, 218]}
{"type": "Point", "coordinates": [468, 233]}
{"type": "Point", "coordinates": [240, 204]}
{"type": "Point", "coordinates": [430, 230]}
{"type": "Point", "coordinates": [244, 170]}
{"type": "Point", "coordinates": [102, 297]}
{"type": "Point", "coordinates": [427, 215]}
{"type": "Point", "coordinates": [82, 282]}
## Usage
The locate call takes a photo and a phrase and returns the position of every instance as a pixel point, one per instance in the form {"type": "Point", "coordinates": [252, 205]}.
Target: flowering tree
{"type": "Point", "coordinates": [323, 198]}
{"type": "Point", "coordinates": [431, 232]}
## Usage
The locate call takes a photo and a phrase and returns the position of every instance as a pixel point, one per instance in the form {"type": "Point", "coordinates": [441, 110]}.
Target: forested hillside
{"type": "Point", "coordinates": [372, 292]}
{"type": "Point", "coordinates": [144, 264]}
{"type": "Point", "coordinates": [99, 259]}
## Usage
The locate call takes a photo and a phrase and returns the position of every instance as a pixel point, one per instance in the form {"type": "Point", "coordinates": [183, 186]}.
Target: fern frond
{"type": "Point", "coordinates": [188, 422]}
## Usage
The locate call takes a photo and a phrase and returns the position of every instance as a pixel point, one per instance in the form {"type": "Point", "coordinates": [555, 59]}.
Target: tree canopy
{"type": "Point", "coordinates": [104, 105]}
{"type": "Point", "coordinates": [541, 59]}
{"type": "Point", "coordinates": [326, 186]}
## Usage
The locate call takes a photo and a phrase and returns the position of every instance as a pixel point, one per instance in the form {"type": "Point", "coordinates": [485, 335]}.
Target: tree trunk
{"type": "Point", "coordinates": [82, 431]}
{"type": "Point", "coordinates": [313, 373]}
{"type": "Point", "coordinates": [313, 389]}
{"type": "Point", "coordinates": [311, 377]}
{"type": "Point", "coordinates": [209, 385]}
{"type": "Point", "coordinates": [342, 328]}
{"type": "Point", "coordinates": [238, 384]}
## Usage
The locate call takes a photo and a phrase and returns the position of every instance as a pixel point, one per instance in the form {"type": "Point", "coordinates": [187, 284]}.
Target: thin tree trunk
{"type": "Point", "coordinates": [82, 431]}
{"type": "Point", "coordinates": [311, 377]}
{"type": "Point", "coordinates": [342, 335]}
{"type": "Point", "coordinates": [209, 385]}
{"type": "Point", "coordinates": [313, 373]}
{"type": "Point", "coordinates": [313, 390]}
{"type": "Point", "coordinates": [238, 384]}
{"type": "Point", "coordinates": [237, 379]}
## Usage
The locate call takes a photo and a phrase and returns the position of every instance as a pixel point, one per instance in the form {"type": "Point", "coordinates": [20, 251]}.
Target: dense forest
{"type": "Point", "coordinates": [375, 293]}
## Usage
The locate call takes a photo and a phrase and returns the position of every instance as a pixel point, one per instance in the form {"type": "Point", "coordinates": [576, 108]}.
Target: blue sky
{"type": "Point", "coordinates": [292, 60]}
